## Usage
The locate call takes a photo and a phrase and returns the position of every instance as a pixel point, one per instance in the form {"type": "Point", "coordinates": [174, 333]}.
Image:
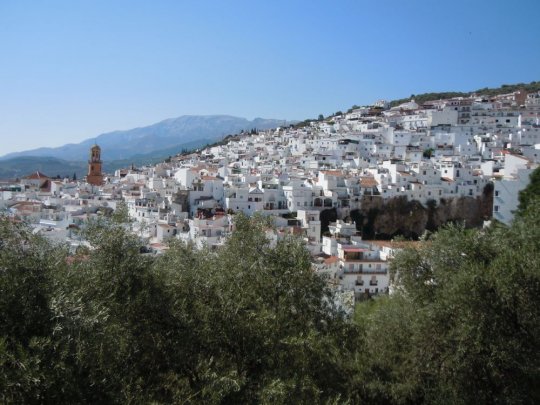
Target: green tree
{"type": "Point", "coordinates": [249, 322]}
{"type": "Point", "coordinates": [529, 193]}
{"type": "Point", "coordinates": [27, 266]}
{"type": "Point", "coordinates": [267, 327]}
{"type": "Point", "coordinates": [428, 153]}
{"type": "Point", "coordinates": [121, 214]}
{"type": "Point", "coordinates": [464, 325]}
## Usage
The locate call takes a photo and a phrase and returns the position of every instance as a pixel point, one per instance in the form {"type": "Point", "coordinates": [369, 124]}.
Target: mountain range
{"type": "Point", "coordinates": [154, 143]}
{"type": "Point", "coordinates": [139, 145]}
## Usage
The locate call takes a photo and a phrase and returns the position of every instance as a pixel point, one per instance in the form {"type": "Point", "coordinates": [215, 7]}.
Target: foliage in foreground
{"type": "Point", "coordinates": [248, 323]}
{"type": "Point", "coordinates": [530, 194]}
{"type": "Point", "coordinates": [464, 326]}
{"type": "Point", "coordinates": [251, 323]}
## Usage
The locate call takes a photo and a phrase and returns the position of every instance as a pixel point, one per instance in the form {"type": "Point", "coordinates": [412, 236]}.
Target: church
{"type": "Point", "coordinates": [95, 176]}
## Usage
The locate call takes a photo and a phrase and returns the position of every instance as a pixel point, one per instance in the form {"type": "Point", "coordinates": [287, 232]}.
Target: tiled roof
{"type": "Point", "coordinates": [331, 260]}
{"type": "Point", "coordinates": [368, 182]}
{"type": "Point", "coordinates": [332, 172]}
{"type": "Point", "coordinates": [37, 176]}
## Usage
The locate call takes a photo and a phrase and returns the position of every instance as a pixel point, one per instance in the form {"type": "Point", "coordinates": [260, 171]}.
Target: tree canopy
{"type": "Point", "coordinates": [488, 92]}
{"type": "Point", "coordinates": [530, 193]}
{"type": "Point", "coordinates": [252, 323]}
{"type": "Point", "coordinates": [247, 323]}
{"type": "Point", "coordinates": [463, 326]}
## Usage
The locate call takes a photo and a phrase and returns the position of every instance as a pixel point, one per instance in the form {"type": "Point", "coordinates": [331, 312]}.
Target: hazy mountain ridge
{"type": "Point", "coordinates": [21, 166]}
{"type": "Point", "coordinates": [169, 133]}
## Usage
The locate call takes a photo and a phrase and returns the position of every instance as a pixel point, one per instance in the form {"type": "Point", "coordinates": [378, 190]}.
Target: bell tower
{"type": "Point", "coordinates": [95, 177]}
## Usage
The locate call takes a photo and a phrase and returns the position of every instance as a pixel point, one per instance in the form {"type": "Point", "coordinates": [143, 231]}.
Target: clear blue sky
{"type": "Point", "coordinates": [70, 70]}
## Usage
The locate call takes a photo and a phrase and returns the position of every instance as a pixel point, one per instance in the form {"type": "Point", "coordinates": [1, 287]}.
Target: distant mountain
{"type": "Point", "coordinates": [172, 134]}
{"type": "Point", "coordinates": [18, 167]}
{"type": "Point", "coordinates": [25, 165]}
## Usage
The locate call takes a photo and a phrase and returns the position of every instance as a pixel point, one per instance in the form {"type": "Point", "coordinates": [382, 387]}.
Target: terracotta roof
{"type": "Point", "coordinates": [331, 260]}
{"type": "Point", "coordinates": [355, 249]}
{"type": "Point", "coordinates": [368, 182]}
{"type": "Point", "coordinates": [46, 186]}
{"type": "Point", "coordinates": [26, 203]}
{"type": "Point", "coordinates": [397, 244]}
{"type": "Point", "coordinates": [159, 246]}
{"type": "Point", "coordinates": [37, 175]}
{"type": "Point", "coordinates": [333, 172]}
{"type": "Point", "coordinates": [77, 259]}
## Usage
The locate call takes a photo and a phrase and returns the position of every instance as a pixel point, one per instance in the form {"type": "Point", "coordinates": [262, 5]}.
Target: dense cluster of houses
{"type": "Point", "coordinates": [442, 149]}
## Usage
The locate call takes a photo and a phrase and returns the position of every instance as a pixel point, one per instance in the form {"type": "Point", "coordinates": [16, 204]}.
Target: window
{"type": "Point", "coordinates": [496, 208]}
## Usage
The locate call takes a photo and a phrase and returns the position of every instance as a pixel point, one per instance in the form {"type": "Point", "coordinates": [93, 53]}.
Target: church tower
{"type": "Point", "coordinates": [95, 177]}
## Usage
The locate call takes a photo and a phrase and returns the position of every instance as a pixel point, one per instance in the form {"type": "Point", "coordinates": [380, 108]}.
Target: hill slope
{"type": "Point", "coordinates": [25, 165]}
{"type": "Point", "coordinates": [486, 92]}
{"type": "Point", "coordinates": [172, 134]}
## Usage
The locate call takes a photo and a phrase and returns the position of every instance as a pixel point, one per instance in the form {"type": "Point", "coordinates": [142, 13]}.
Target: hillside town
{"type": "Point", "coordinates": [310, 179]}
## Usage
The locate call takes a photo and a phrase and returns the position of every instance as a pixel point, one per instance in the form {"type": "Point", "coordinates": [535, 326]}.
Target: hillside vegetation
{"type": "Point", "coordinates": [487, 92]}
{"type": "Point", "coordinates": [251, 323]}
